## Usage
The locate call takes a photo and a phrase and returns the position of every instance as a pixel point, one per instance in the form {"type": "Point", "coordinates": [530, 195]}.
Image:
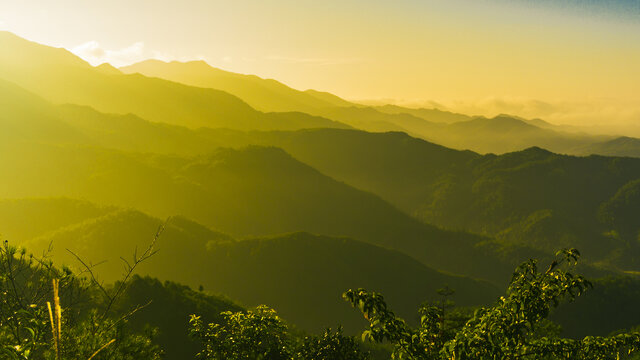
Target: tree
{"type": "Point", "coordinates": [331, 346]}
{"type": "Point", "coordinates": [34, 324]}
{"type": "Point", "coordinates": [243, 335]}
{"type": "Point", "coordinates": [506, 330]}
{"type": "Point", "coordinates": [260, 334]}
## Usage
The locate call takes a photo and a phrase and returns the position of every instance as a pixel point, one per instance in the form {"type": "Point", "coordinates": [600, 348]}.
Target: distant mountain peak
{"type": "Point", "coordinates": [537, 149]}
{"type": "Point", "coordinates": [107, 68]}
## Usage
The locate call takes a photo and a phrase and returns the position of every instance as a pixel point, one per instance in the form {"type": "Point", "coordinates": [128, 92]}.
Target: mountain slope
{"type": "Point", "coordinates": [533, 197]}
{"type": "Point", "coordinates": [27, 117]}
{"type": "Point", "coordinates": [315, 270]}
{"type": "Point", "coordinates": [122, 232]}
{"type": "Point", "coordinates": [620, 146]}
{"type": "Point", "coordinates": [289, 272]}
{"type": "Point", "coordinates": [270, 192]}
{"type": "Point", "coordinates": [401, 169]}
{"type": "Point", "coordinates": [301, 275]}
{"type": "Point", "coordinates": [169, 306]}
{"type": "Point", "coordinates": [252, 191]}
{"type": "Point", "coordinates": [132, 133]}
{"type": "Point", "coordinates": [262, 94]}
{"type": "Point", "coordinates": [61, 77]}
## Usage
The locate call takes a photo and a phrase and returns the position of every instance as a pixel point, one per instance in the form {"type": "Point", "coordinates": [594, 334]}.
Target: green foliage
{"type": "Point", "coordinates": [260, 334]}
{"type": "Point", "coordinates": [244, 335]}
{"type": "Point", "coordinates": [26, 284]}
{"type": "Point", "coordinates": [506, 330]}
{"type": "Point", "coordinates": [94, 332]}
{"type": "Point", "coordinates": [331, 345]}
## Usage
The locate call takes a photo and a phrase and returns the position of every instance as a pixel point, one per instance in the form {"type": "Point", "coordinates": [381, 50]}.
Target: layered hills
{"type": "Point", "coordinates": [251, 191]}
{"type": "Point", "coordinates": [500, 134]}
{"type": "Point", "coordinates": [290, 197]}
{"type": "Point", "coordinates": [216, 98]}
{"type": "Point", "coordinates": [433, 183]}
{"type": "Point", "coordinates": [533, 197]}
{"type": "Point", "coordinates": [61, 77]}
{"type": "Point", "coordinates": [300, 274]}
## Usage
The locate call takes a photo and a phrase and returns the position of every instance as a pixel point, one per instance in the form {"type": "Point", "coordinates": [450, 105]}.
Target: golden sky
{"type": "Point", "coordinates": [565, 60]}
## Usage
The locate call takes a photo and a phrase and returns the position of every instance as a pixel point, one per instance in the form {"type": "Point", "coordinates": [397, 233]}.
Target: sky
{"type": "Point", "coordinates": [568, 61]}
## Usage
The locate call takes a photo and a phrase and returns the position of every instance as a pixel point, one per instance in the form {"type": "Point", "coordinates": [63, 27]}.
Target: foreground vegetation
{"type": "Point", "coordinates": [51, 313]}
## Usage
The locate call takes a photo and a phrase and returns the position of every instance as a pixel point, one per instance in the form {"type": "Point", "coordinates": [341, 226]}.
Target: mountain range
{"type": "Point", "coordinates": [289, 197]}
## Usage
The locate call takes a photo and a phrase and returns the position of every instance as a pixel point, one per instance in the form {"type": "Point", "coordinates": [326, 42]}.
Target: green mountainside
{"type": "Point", "coordinates": [533, 197]}
{"type": "Point", "coordinates": [169, 306]}
{"type": "Point", "coordinates": [315, 270]}
{"type": "Point", "coordinates": [251, 191]}
{"type": "Point", "coordinates": [288, 272]}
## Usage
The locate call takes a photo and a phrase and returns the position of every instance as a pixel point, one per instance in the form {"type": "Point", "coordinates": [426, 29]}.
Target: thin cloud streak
{"type": "Point", "coordinates": [96, 54]}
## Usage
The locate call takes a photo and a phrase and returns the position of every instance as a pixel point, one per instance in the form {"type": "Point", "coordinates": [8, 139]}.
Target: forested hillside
{"type": "Point", "coordinates": [533, 197]}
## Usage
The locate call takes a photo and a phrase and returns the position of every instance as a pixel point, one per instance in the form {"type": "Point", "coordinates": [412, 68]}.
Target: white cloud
{"type": "Point", "coordinates": [2, 25]}
{"type": "Point", "coordinates": [95, 54]}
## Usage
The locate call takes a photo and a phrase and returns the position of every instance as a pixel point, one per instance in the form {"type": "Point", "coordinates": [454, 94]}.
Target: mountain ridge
{"type": "Point", "coordinates": [69, 79]}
